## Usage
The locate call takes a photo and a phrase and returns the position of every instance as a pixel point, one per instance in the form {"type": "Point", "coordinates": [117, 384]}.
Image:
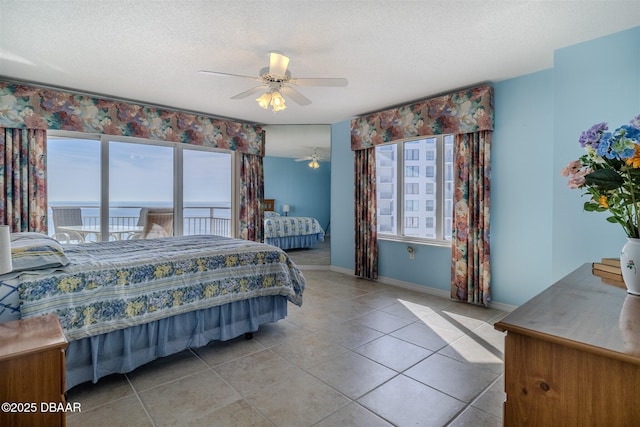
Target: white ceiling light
{"type": "Point", "coordinates": [273, 98]}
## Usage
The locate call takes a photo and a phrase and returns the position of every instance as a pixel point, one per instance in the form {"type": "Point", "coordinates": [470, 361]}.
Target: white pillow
{"type": "Point", "coordinates": [36, 251]}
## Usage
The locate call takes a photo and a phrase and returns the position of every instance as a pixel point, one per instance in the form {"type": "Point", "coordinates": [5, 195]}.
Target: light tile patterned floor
{"type": "Point", "coordinates": [318, 257]}
{"type": "Point", "coordinates": [357, 353]}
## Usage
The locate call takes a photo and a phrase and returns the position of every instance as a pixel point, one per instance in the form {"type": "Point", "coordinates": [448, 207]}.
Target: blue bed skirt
{"type": "Point", "coordinates": [121, 351]}
{"type": "Point", "coordinates": [295, 242]}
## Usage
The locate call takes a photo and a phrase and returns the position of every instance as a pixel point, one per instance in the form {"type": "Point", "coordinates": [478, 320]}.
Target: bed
{"type": "Point", "coordinates": [125, 303]}
{"type": "Point", "coordinates": [290, 232]}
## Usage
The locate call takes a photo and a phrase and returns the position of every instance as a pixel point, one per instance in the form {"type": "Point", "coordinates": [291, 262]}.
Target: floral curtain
{"type": "Point", "coordinates": [465, 111]}
{"type": "Point", "coordinates": [23, 106]}
{"type": "Point", "coordinates": [471, 267]}
{"type": "Point", "coordinates": [23, 201]}
{"type": "Point", "coordinates": [251, 195]}
{"type": "Point", "coordinates": [366, 235]}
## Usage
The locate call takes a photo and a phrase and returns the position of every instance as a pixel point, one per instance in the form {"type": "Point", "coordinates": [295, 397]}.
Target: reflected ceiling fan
{"type": "Point", "coordinates": [276, 81]}
{"type": "Point", "coordinates": [314, 159]}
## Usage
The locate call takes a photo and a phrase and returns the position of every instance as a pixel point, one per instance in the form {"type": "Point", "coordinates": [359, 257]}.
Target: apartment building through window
{"type": "Point", "coordinates": [418, 203]}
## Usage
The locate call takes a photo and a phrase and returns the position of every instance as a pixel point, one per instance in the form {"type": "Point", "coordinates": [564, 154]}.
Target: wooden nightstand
{"type": "Point", "coordinates": [32, 372]}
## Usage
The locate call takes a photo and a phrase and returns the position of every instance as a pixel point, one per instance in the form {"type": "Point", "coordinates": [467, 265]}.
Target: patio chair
{"type": "Point", "coordinates": [66, 215]}
{"type": "Point", "coordinates": [155, 222]}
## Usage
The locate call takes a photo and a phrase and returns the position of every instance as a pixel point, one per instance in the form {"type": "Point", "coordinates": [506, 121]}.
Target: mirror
{"type": "Point", "coordinates": [290, 180]}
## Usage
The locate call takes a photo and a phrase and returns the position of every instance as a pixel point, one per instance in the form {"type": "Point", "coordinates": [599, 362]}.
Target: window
{"type": "Point", "coordinates": [430, 171]}
{"type": "Point", "coordinates": [431, 155]}
{"type": "Point", "coordinates": [139, 178]}
{"type": "Point", "coordinates": [430, 206]}
{"type": "Point", "coordinates": [411, 222]}
{"type": "Point", "coordinates": [411, 171]}
{"type": "Point", "coordinates": [405, 212]}
{"type": "Point", "coordinates": [111, 180]}
{"type": "Point", "coordinates": [411, 205]}
{"type": "Point", "coordinates": [207, 208]}
{"type": "Point", "coordinates": [412, 154]}
{"type": "Point", "coordinates": [386, 176]}
{"type": "Point", "coordinates": [411, 188]}
{"type": "Point", "coordinates": [429, 222]}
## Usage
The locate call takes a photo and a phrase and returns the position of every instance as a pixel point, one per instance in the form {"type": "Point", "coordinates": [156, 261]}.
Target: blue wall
{"type": "Point", "coordinates": [539, 232]}
{"type": "Point", "coordinates": [305, 190]}
{"type": "Point", "coordinates": [342, 189]}
{"type": "Point", "coordinates": [597, 81]}
{"type": "Point", "coordinates": [521, 180]}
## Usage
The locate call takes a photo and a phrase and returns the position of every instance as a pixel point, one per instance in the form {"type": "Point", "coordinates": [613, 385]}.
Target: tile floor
{"type": "Point", "coordinates": [318, 257]}
{"type": "Point", "coordinates": [357, 353]}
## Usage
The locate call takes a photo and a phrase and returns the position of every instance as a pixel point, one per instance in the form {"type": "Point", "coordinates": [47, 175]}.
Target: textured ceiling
{"type": "Point", "coordinates": [391, 52]}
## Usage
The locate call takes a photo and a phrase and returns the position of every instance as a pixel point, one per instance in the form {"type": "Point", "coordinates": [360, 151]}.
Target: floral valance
{"type": "Point", "coordinates": [23, 106]}
{"type": "Point", "coordinates": [465, 111]}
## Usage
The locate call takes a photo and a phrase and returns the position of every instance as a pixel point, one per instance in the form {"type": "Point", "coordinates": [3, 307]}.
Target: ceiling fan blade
{"type": "Point", "coordinates": [328, 82]}
{"type": "Point", "coordinates": [278, 64]}
{"type": "Point", "coordinates": [303, 159]}
{"type": "Point", "coordinates": [218, 74]}
{"type": "Point", "coordinates": [250, 92]}
{"type": "Point", "coordinates": [296, 96]}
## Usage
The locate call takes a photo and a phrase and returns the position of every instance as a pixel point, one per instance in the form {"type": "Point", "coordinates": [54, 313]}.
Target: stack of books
{"type": "Point", "coordinates": [609, 270]}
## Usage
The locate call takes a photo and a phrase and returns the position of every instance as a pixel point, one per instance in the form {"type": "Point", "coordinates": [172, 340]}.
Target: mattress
{"type": "Point", "coordinates": [286, 226]}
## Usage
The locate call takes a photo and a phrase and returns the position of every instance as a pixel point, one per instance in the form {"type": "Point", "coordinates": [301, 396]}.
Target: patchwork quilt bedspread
{"type": "Point", "coordinates": [113, 285]}
{"type": "Point", "coordinates": [286, 226]}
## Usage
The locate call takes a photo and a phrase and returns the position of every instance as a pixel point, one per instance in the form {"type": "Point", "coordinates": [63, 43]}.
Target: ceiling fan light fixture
{"type": "Point", "coordinates": [313, 164]}
{"type": "Point", "coordinates": [277, 102]}
{"type": "Point", "coordinates": [264, 100]}
{"type": "Point", "coordinates": [272, 99]}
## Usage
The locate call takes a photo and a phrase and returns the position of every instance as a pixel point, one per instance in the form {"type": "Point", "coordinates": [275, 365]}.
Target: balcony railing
{"type": "Point", "coordinates": [216, 221]}
{"type": "Point", "coordinates": [191, 225]}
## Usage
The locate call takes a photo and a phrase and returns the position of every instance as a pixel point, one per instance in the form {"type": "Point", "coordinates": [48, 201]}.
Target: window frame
{"type": "Point", "coordinates": [178, 163]}
{"type": "Point", "coordinates": [400, 196]}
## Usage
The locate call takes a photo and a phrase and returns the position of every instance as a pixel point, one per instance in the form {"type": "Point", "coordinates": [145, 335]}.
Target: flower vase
{"type": "Point", "coordinates": [630, 263]}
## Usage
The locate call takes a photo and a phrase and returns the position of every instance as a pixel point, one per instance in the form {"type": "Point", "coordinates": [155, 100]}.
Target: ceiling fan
{"type": "Point", "coordinates": [314, 157]}
{"type": "Point", "coordinates": [276, 81]}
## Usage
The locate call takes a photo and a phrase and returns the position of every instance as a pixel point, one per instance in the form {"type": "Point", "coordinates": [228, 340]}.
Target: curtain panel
{"type": "Point", "coordinates": [366, 220]}
{"type": "Point", "coordinates": [470, 249]}
{"type": "Point", "coordinates": [23, 205]}
{"type": "Point", "coordinates": [23, 106]}
{"type": "Point", "coordinates": [251, 197]}
{"type": "Point", "coordinates": [465, 111]}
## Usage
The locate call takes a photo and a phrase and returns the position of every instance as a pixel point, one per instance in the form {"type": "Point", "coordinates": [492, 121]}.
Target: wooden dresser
{"type": "Point", "coordinates": [32, 372]}
{"type": "Point", "coordinates": [572, 356]}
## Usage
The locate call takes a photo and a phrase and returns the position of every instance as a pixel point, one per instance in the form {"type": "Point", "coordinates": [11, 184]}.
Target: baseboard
{"type": "Point", "coordinates": [422, 288]}
{"type": "Point", "coordinates": [314, 267]}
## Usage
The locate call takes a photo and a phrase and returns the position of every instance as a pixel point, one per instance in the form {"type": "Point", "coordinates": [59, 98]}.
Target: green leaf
{"type": "Point", "coordinates": [604, 179]}
{"type": "Point", "coordinates": [593, 207]}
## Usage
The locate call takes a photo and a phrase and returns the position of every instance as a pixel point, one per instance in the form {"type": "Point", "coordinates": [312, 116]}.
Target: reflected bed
{"type": "Point", "coordinates": [290, 232]}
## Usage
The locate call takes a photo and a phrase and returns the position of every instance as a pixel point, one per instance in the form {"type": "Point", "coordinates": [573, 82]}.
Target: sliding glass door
{"type": "Point", "coordinates": [126, 188]}
{"type": "Point", "coordinates": [206, 192]}
{"type": "Point", "coordinates": [140, 178]}
{"type": "Point", "coordinates": [73, 177]}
